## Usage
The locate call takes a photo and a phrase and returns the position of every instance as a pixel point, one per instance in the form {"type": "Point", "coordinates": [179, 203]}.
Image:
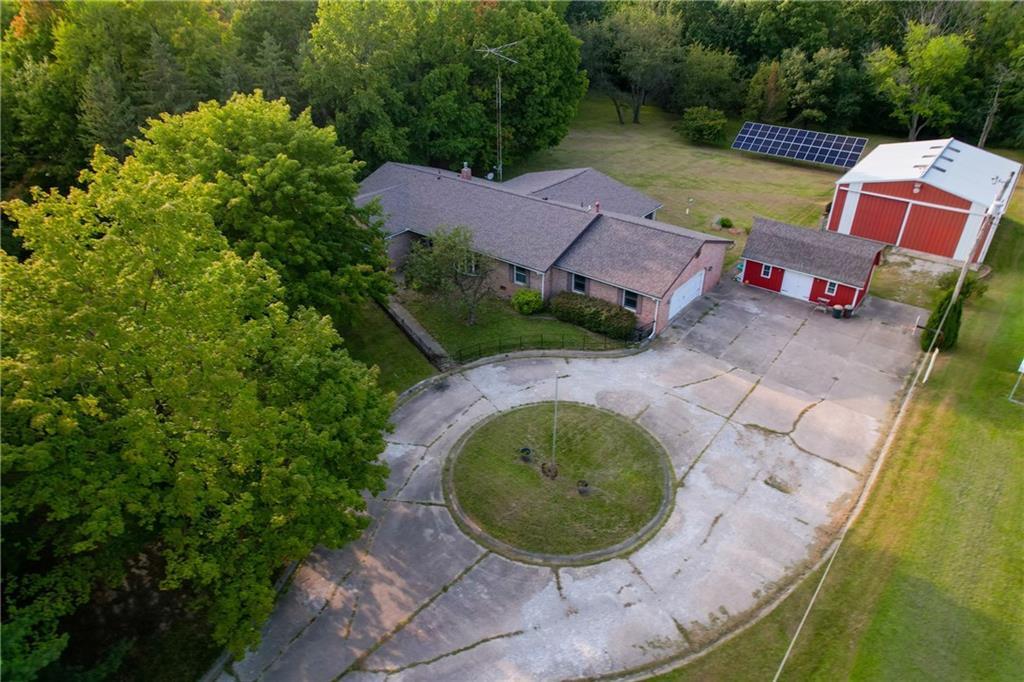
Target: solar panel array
{"type": "Point", "coordinates": [804, 145]}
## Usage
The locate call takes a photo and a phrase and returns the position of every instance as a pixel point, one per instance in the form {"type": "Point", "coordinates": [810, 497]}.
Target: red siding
{"type": "Point", "coordinates": [752, 275]}
{"type": "Point", "coordinates": [837, 208]}
{"type": "Point", "coordinates": [844, 295]}
{"type": "Point", "coordinates": [933, 230]}
{"type": "Point", "coordinates": [927, 193]}
{"type": "Point", "coordinates": [878, 218]}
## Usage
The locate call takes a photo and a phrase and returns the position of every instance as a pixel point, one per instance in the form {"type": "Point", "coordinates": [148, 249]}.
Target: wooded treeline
{"type": "Point", "coordinates": [399, 81]}
{"type": "Point", "coordinates": [904, 68]}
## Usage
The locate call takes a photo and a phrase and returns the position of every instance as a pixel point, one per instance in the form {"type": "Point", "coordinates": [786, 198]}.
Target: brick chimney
{"type": "Point", "coordinates": [466, 173]}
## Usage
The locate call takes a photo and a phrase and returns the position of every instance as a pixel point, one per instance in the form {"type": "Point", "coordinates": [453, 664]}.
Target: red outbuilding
{"type": "Point", "coordinates": [942, 197]}
{"type": "Point", "coordinates": [812, 265]}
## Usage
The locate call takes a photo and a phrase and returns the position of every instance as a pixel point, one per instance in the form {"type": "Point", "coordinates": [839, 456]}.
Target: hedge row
{"type": "Point", "coordinates": [594, 314]}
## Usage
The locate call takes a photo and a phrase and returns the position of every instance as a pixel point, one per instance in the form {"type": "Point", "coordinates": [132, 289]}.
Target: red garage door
{"type": "Point", "coordinates": [933, 230]}
{"type": "Point", "coordinates": [878, 218]}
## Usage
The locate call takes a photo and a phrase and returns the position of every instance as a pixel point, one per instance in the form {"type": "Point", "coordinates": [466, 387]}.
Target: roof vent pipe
{"type": "Point", "coordinates": [597, 206]}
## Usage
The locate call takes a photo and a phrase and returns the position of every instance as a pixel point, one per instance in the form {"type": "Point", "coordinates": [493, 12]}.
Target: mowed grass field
{"type": "Point", "coordinates": [653, 158]}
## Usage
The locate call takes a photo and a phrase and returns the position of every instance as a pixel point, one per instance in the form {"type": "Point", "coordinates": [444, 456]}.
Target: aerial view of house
{"type": "Point", "coordinates": [575, 230]}
{"type": "Point", "coordinates": [503, 341]}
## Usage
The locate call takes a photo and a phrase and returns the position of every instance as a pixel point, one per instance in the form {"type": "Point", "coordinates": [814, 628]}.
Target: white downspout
{"type": "Point", "coordinates": [654, 329]}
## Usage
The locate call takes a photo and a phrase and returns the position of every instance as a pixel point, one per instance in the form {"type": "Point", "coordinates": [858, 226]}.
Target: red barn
{"type": "Point", "coordinates": [934, 196]}
{"type": "Point", "coordinates": [811, 265]}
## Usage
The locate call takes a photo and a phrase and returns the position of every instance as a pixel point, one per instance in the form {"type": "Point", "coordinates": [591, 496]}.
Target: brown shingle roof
{"type": "Point", "coordinates": [626, 251]}
{"type": "Point", "coordinates": [584, 187]}
{"type": "Point", "coordinates": [825, 254]}
{"type": "Point", "coordinates": [512, 227]}
{"type": "Point", "coordinates": [638, 257]}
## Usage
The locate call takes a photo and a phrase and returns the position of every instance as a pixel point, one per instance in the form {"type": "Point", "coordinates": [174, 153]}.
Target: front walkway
{"type": "Point", "coordinates": [771, 415]}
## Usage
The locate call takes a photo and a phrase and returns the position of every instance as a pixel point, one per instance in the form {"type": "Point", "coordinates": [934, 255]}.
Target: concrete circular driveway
{"type": "Point", "coordinates": [771, 415]}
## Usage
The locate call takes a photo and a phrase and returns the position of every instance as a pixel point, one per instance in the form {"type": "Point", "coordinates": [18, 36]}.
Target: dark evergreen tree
{"type": "Point", "coordinates": [163, 85]}
{"type": "Point", "coordinates": [950, 329]}
{"type": "Point", "coordinates": [106, 116]}
{"type": "Point", "coordinates": [273, 72]}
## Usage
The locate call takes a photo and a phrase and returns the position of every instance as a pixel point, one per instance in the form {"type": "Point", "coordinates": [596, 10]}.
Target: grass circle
{"type": "Point", "coordinates": [512, 501]}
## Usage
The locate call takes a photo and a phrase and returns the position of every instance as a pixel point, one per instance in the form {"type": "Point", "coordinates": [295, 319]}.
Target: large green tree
{"type": "Point", "coordinates": [644, 52]}
{"type": "Point", "coordinates": [708, 78]}
{"type": "Point", "coordinates": [282, 188]}
{"type": "Point", "coordinates": [159, 399]}
{"type": "Point", "coordinates": [448, 268]}
{"type": "Point", "coordinates": [406, 81]}
{"type": "Point", "coordinates": [824, 88]}
{"type": "Point", "coordinates": [922, 83]}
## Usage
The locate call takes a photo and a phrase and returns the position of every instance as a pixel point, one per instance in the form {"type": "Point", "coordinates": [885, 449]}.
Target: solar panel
{"type": "Point", "coordinates": [803, 145]}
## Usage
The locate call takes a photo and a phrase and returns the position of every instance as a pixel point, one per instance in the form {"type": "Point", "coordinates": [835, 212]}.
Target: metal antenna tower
{"type": "Point", "coordinates": [497, 52]}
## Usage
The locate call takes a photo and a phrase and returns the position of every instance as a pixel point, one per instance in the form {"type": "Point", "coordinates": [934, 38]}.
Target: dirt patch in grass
{"type": "Point", "coordinates": [516, 503]}
{"type": "Point", "coordinates": [908, 280]}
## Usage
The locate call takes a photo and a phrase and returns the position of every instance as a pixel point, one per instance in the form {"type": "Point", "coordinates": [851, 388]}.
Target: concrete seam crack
{"type": "Point", "coordinates": [357, 664]}
{"type": "Point", "coordinates": [454, 652]}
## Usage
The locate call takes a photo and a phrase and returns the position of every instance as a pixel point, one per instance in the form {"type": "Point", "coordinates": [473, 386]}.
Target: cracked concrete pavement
{"type": "Point", "coordinates": [771, 415]}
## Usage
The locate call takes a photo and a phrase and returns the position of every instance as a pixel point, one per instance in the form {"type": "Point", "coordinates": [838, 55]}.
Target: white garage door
{"type": "Point", "coordinates": [796, 285]}
{"type": "Point", "coordinates": [686, 294]}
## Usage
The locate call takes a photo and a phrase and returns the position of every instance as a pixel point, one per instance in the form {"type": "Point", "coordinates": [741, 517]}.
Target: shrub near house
{"type": "Point", "coordinates": [527, 301]}
{"type": "Point", "coordinates": [594, 314]}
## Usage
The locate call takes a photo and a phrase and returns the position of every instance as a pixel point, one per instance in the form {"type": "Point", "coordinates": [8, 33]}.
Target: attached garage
{"type": "Point", "coordinates": [809, 265]}
{"type": "Point", "coordinates": [689, 292]}
{"type": "Point", "coordinates": [941, 197]}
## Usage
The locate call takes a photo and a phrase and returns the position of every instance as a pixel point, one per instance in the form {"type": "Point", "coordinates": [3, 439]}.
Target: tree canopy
{"type": "Point", "coordinates": [159, 397]}
{"type": "Point", "coordinates": [922, 83]}
{"type": "Point", "coordinates": [280, 187]}
{"type": "Point", "coordinates": [448, 268]}
{"type": "Point", "coordinates": [405, 81]}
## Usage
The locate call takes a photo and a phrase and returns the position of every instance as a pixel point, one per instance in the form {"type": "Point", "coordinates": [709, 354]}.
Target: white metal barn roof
{"type": "Point", "coordinates": [948, 164]}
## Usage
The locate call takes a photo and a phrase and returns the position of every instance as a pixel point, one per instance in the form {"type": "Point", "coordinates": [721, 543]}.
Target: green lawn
{"type": "Point", "coordinates": [373, 338]}
{"type": "Point", "coordinates": [653, 158]}
{"type": "Point", "coordinates": [929, 584]}
{"type": "Point", "coordinates": [497, 322]}
{"type": "Point", "coordinates": [515, 503]}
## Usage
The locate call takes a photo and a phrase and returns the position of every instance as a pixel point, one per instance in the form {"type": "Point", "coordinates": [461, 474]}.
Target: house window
{"type": "Point", "coordinates": [830, 288]}
{"type": "Point", "coordinates": [579, 284]}
{"type": "Point", "coordinates": [630, 300]}
{"type": "Point", "coordinates": [470, 267]}
{"type": "Point", "coordinates": [520, 276]}
{"type": "Point", "coordinates": [766, 271]}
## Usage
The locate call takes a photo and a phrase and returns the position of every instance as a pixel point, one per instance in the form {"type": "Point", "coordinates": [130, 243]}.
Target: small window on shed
{"type": "Point", "coordinates": [766, 271]}
{"type": "Point", "coordinates": [520, 276]}
{"type": "Point", "coordinates": [630, 300]}
{"type": "Point", "coordinates": [830, 288]}
{"type": "Point", "coordinates": [579, 284]}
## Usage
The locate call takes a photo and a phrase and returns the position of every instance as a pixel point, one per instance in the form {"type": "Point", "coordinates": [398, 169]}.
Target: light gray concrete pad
{"type": "Point", "coordinates": [486, 603]}
{"type": "Point", "coordinates": [838, 434]}
{"type": "Point", "coordinates": [721, 394]}
{"type": "Point", "coordinates": [447, 398]}
{"type": "Point", "coordinates": [774, 406]}
{"type": "Point", "coordinates": [684, 429]}
{"type": "Point", "coordinates": [770, 414]}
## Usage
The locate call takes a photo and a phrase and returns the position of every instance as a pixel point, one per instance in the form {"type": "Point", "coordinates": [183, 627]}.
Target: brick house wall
{"type": "Point", "coordinates": [711, 260]}
{"type": "Point", "coordinates": [502, 281]}
{"type": "Point", "coordinates": [561, 280]}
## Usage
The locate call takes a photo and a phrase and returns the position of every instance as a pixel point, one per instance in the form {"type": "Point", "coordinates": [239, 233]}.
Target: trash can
{"type": "Point", "coordinates": [847, 310]}
{"type": "Point", "coordinates": [837, 311]}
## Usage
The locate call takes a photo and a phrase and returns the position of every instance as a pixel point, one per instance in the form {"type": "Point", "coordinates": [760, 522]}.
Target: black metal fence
{"type": "Point", "coordinates": [511, 344]}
